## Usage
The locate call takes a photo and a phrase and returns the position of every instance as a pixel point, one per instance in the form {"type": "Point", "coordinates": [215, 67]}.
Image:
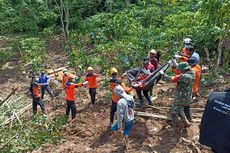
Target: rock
{"type": "Point", "coordinates": [155, 129]}
{"type": "Point", "coordinates": [87, 134]}
{"type": "Point", "coordinates": [87, 149]}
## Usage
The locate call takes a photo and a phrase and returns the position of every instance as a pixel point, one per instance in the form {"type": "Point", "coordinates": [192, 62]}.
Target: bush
{"type": "Point", "coordinates": [32, 134]}
{"type": "Point", "coordinates": [33, 51]}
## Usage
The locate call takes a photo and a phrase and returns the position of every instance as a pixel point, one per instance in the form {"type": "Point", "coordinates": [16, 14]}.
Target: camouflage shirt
{"type": "Point", "coordinates": [183, 88]}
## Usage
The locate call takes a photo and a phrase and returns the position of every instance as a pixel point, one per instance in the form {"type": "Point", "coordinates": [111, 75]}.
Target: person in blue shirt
{"type": "Point", "coordinates": [189, 45]}
{"type": "Point", "coordinates": [43, 80]}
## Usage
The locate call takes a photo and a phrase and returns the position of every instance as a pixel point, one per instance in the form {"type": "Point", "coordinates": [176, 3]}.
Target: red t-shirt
{"type": "Point", "coordinates": [150, 68]}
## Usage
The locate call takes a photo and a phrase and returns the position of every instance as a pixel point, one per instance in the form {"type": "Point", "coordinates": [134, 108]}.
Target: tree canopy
{"type": "Point", "coordinates": [124, 29]}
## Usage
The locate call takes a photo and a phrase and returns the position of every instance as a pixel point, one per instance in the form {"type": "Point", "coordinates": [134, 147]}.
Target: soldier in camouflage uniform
{"type": "Point", "coordinates": [183, 95]}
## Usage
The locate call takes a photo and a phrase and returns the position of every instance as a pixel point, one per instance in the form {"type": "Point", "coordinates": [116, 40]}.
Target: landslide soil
{"type": "Point", "coordinates": [89, 131]}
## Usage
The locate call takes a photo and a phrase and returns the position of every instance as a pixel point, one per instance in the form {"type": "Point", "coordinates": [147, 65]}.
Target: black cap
{"type": "Point", "coordinates": [190, 48]}
{"type": "Point", "coordinates": [146, 60]}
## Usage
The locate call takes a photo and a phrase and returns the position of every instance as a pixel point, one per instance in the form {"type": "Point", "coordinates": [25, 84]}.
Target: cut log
{"type": "Point", "coordinates": [56, 70]}
{"type": "Point", "coordinates": [145, 114]}
{"type": "Point", "coordinates": [14, 90]}
{"type": "Point", "coordinates": [159, 116]}
{"type": "Point", "coordinates": [197, 109]}
{"type": "Point", "coordinates": [150, 106]}
{"type": "Point", "coordinates": [165, 107]}
{"type": "Point", "coordinates": [154, 107]}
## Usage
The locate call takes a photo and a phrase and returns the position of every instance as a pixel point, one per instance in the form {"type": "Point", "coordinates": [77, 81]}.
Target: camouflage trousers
{"type": "Point", "coordinates": [180, 111]}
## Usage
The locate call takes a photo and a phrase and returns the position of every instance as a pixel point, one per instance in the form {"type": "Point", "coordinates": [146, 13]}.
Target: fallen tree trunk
{"type": "Point", "coordinates": [14, 90]}
{"type": "Point", "coordinates": [56, 70]}
{"type": "Point", "coordinates": [155, 116]}
{"type": "Point", "coordinates": [163, 108]}
{"type": "Point", "coordinates": [150, 106]}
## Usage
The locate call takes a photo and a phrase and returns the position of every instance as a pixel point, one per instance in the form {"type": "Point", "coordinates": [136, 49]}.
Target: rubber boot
{"type": "Point", "coordinates": [151, 103]}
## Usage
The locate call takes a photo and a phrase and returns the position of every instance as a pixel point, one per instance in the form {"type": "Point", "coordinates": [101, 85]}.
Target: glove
{"type": "Point", "coordinates": [135, 85]}
{"type": "Point", "coordinates": [173, 62]}
{"type": "Point", "coordinates": [177, 56]}
{"type": "Point", "coordinates": [162, 72]}
{"type": "Point", "coordinates": [124, 74]}
{"type": "Point", "coordinates": [85, 83]}
{"type": "Point", "coordinates": [170, 62]}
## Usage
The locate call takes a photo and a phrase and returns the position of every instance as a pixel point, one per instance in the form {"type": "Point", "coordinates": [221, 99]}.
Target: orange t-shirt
{"type": "Point", "coordinates": [36, 91]}
{"type": "Point", "coordinates": [113, 84]}
{"type": "Point", "coordinates": [70, 90]}
{"type": "Point", "coordinates": [92, 80]}
{"type": "Point", "coordinates": [197, 70]}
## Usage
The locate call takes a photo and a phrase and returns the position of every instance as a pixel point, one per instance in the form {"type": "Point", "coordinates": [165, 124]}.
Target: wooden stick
{"type": "Point", "coordinates": [13, 101]}
{"type": "Point", "coordinates": [19, 113]}
{"type": "Point", "coordinates": [165, 107]}
{"type": "Point", "coordinates": [7, 142]}
{"type": "Point", "coordinates": [11, 121]}
{"type": "Point", "coordinates": [150, 106]}
{"type": "Point", "coordinates": [9, 100]}
{"type": "Point", "coordinates": [14, 90]}
{"type": "Point", "coordinates": [154, 107]}
{"type": "Point", "coordinates": [17, 118]}
{"type": "Point", "coordinates": [145, 114]}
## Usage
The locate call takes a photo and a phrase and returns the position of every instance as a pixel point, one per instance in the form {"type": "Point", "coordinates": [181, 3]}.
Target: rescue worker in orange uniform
{"type": "Point", "coordinates": [65, 78]}
{"type": "Point", "coordinates": [188, 51]}
{"type": "Point", "coordinates": [36, 96]}
{"type": "Point", "coordinates": [70, 96]}
{"type": "Point", "coordinates": [195, 67]}
{"type": "Point", "coordinates": [184, 54]}
{"type": "Point", "coordinates": [91, 78]}
{"type": "Point", "coordinates": [112, 84]}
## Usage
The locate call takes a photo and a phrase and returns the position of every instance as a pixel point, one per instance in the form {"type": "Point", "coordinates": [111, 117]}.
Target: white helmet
{"type": "Point", "coordinates": [36, 80]}
{"type": "Point", "coordinates": [187, 41]}
{"type": "Point", "coordinates": [153, 51]}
